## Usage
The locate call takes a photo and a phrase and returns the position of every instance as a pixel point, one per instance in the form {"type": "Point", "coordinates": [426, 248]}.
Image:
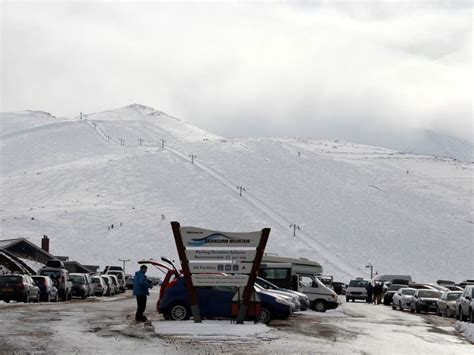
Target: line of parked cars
{"type": "Point", "coordinates": [54, 283]}
{"type": "Point", "coordinates": [445, 298]}
{"type": "Point", "coordinates": [219, 301]}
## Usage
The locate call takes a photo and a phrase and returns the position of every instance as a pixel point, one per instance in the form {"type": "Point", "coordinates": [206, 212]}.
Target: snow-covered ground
{"type": "Point", "coordinates": [71, 179]}
{"type": "Point", "coordinates": [91, 327]}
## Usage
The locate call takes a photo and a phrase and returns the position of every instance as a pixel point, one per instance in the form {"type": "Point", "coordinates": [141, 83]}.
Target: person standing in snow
{"type": "Point", "coordinates": [370, 290]}
{"type": "Point", "coordinates": [140, 290]}
{"type": "Point", "coordinates": [378, 291]}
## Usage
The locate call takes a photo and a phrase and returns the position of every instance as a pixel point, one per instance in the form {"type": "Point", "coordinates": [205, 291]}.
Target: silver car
{"type": "Point", "coordinates": [464, 304]}
{"type": "Point", "coordinates": [446, 304]}
{"type": "Point", "coordinates": [357, 290]}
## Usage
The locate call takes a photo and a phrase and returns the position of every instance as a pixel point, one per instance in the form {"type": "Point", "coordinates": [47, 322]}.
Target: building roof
{"type": "Point", "coordinates": [8, 243]}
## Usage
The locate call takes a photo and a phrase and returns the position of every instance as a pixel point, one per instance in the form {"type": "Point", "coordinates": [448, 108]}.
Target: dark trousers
{"type": "Point", "coordinates": [141, 305]}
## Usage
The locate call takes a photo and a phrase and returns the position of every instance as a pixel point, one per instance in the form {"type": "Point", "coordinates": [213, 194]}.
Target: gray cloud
{"type": "Point", "coordinates": [348, 70]}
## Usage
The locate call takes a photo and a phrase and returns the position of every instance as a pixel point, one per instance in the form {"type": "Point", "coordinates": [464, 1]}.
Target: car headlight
{"type": "Point", "coordinates": [282, 301]}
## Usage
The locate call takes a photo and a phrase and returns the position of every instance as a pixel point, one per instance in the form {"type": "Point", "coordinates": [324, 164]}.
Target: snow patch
{"type": "Point", "coordinates": [466, 330]}
{"type": "Point", "coordinates": [209, 331]}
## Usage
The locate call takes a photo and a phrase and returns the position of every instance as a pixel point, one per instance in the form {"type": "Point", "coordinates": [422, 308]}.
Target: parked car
{"type": "Point", "coordinates": [17, 287]}
{"type": "Point", "coordinates": [48, 292]}
{"type": "Point", "coordinates": [424, 301]}
{"type": "Point", "coordinates": [388, 295]}
{"type": "Point", "coordinates": [356, 290]}
{"type": "Point", "coordinates": [100, 287]}
{"type": "Point", "coordinates": [115, 284]}
{"type": "Point", "coordinates": [90, 284]}
{"type": "Point", "coordinates": [80, 286]}
{"type": "Point", "coordinates": [420, 286]}
{"type": "Point", "coordinates": [402, 298]}
{"type": "Point", "coordinates": [56, 263]}
{"type": "Point", "coordinates": [291, 299]}
{"type": "Point", "coordinates": [446, 304]}
{"type": "Point", "coordinates": [108, 282]}
{"type": "Point", "coordinates": [302, 298]}
{"type": "Point", "coordinates": [60, 277]}
{"type": "Point", "coordinates": [339, 288]}
{"type": "Point", "coordinates": [215, 301]}
{"type": "Point", "coordinates": [120, 278]}
{"type": "Point", "coordinates": [129, 282]}
{"type": "Point", "coordinates": [112, 268]}
{"type": "Point", "coordinates": [464, 304]}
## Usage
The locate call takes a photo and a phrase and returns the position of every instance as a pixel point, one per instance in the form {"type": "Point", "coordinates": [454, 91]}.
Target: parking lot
{"type": "Point", "coordinates": [106, 325]}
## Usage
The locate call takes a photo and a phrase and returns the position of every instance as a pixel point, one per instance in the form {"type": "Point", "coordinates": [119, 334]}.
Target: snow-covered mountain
{"type": "Point", "coordinates": [434, 143]}
{"type": "Point", "coordinates": [72, 179]}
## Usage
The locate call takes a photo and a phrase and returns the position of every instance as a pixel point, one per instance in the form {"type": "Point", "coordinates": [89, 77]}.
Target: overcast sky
{"type": "Point", "coordinates": [361, 71]}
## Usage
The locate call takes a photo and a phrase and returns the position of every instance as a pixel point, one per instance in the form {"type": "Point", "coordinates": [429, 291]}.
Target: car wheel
{"type": "Point", "coordinates": [27, 298]}
{"type": "Point", "coordinates": [265, 315]}
{"type": "Point", "coordinates": [319, 306]}
{"type": "Point", "coordinates": [400, 306]}
{"type": "Point", "coordinates": [394, 307]}
{"type": "Point", "coordinates": [347, 299]}
{"type": "Point", "coordinates": [461, 315]}
{"type": "Point", "coordinates": [412, 310]}
{"type": "Point", "coordinates": [438, 312]}
{"type": "Point", "coordinates": [7, 301]}
{"type": "Point", "coordinates": [353, 300]}
{"type": "Point", "coordinates": [69, 296]}
{"type": "Point", "coordinates": [417, 309]}
{"type": "Point", "coordinates": [179, 312]}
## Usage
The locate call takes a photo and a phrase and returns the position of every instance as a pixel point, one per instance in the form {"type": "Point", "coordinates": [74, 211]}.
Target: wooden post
{"type": "Point", "coordinates": [187, 274]}
{"type": "Point", "coordinates": [253, 276]}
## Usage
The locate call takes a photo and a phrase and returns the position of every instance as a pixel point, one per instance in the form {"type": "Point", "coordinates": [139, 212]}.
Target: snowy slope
{"type": "Point", "coordinates": [355, 204]}
{"type": "Point", "coordinates": [434, 143]}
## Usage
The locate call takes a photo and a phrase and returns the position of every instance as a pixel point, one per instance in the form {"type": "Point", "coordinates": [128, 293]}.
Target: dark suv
{"type": "Point", "coordinates": [80, 287]}
{"type": "Point", "coordinates": [20, 288]}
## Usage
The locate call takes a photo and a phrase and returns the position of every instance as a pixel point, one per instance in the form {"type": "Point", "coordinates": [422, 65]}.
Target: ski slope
{"type": "Point", "coordinates": [72, 179]}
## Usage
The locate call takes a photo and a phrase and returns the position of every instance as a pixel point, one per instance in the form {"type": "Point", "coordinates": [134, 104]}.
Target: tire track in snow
{"type": "Point", "coordinates": [326, 255]}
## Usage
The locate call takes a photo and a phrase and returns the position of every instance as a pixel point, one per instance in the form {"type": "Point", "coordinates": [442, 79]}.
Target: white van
{"type": "Point", "coordinates": [299, 275]}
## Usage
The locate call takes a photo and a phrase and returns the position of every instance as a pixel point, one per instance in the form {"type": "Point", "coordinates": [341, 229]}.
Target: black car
{"type": "Point", "coordinates": [388, 295]}
{"type": "Point", "coordinates": [20, 288]}
{"type": "Point", "coordinates": [425, 301]}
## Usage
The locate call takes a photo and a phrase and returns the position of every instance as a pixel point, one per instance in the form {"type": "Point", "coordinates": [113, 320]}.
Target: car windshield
{"type": "Point", "coordinates": [9, 280]}
{"type": "Point", "coordinates": [77, 279]}
{"type": "Point", "coordinates": [453, 296]}
{"type": "Point", "coordinates": [96, 280]}
{"type": "Point", "coordinates": [429, 294]}
{"type": "Point", "coordinates": [408, 292]}
{"type": "Point", "coordinates": [395, 287]}
{"type": "Point", "coordinates": [358, 283]}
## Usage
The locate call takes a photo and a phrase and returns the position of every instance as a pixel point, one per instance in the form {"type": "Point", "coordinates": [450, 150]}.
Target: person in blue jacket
{"type": "Point", "coordinates": [140, 290]}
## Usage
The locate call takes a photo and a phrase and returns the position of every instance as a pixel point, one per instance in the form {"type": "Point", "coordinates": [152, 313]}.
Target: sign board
{"type": "Point", "coordinates": [213, 258]}
{"type": "Point", "coordinates": [213, 267]}
{"type": "Point", "coordinates": [221, 254]}
{"type": "Point", "coordinates": [219, 280]}
{"type": "Point", "coordinates": [197, 237]}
